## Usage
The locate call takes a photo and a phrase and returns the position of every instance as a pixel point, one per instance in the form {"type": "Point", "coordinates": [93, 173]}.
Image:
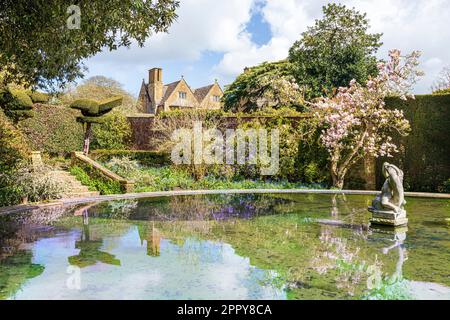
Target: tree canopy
{"type": "Point", "coordinates": [268, 85]}
{"type": "Point", "coordinates": [38, 48]}
{"type": "Point", "coordinates": [337, 49]}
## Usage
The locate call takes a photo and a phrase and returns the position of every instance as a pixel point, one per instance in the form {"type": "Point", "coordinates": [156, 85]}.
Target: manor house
{"type": "Point", "coordinates": [155, 96]}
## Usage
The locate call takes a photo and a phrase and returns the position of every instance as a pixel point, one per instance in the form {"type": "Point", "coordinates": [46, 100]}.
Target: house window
{"type": "Point", "coordinates": [182, 95]}
{"type": "Point", "coordinates": [216, 98]}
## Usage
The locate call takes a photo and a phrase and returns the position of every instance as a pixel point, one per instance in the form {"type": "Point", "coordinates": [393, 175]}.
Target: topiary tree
{"type": "Point", "coordinates": [92, 112]}
{"type": "Point", "coordinates": [38, 97]}
{"type": "Point", "coordinates": [16, 104]}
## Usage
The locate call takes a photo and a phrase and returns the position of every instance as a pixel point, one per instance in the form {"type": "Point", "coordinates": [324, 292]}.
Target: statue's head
{"type": "Point", "coordinates": [385, 169]}
{"type": "Point", "coordinates": [390, 170]}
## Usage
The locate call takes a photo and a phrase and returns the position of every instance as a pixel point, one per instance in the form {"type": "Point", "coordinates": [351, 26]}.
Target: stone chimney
{"type": "Point", "coordinates": [155, 85]}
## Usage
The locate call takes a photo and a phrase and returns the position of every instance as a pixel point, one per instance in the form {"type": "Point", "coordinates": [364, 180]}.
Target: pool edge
{"type": "Point", "coordinates": [129, 196]}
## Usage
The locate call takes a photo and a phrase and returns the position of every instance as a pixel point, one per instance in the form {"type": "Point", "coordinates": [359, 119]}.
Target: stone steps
{"type": "Point", "coordinates": [75, 188]}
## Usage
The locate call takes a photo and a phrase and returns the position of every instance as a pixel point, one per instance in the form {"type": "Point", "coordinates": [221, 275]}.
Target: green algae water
{"type": "Point", "coordinates": [272, 246]}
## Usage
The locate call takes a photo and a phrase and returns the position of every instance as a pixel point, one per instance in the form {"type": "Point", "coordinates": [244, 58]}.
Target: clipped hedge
{"type": "Point", "coordinates": [13, 145]}
{"type": "Point", "coordinates": [86, 106]}
{"type": "Point", "coordinates": [38, 97]}
{"type": "Point", "coordinates": [145, 158]}
{"type": "Point", "coordinates": [53, 130]}
{"type": "Point", "coordinates": [424, 154]}
{"type": "Point", "coordinates": [13, 151]}
{"type": "Point", "coordinates": [16, 104]}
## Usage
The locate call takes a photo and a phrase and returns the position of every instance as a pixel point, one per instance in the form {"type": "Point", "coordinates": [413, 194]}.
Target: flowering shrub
{"type": "Point", "coordinates": [123, 166]}
{"type": "Point", "coordinates": [356, 121]}
{"type": "Point", "coordinates": [39, 184]}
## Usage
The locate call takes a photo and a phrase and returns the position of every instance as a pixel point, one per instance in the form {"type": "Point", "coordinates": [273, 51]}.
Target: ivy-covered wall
{"type": "Point", "coordinates": [424, 154]}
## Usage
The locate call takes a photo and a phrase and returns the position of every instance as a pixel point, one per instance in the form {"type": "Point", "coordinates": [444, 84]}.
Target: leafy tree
{"type": "Point", "coordinates": [334, 51]}
{"type": "Point", "coordinates": [268, 85]}
{"type": "Point", "coordinates": [38, 48]}
{"type": "Point", "coordinates": [92, 112]}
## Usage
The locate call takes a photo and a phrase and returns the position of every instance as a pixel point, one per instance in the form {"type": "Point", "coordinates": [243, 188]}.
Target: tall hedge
{"type": "Point", "coordinates": [425, 153]}
{"type": "Point", "coordinates": [53, 130]}
{"type": "Point", "coordinates": [13, 150]}
{"type": "Point", "coordinates": [13, 145]}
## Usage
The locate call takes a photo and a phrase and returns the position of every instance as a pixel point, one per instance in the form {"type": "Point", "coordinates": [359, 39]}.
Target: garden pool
{"type": "Point", "coordinates": [225, 246]}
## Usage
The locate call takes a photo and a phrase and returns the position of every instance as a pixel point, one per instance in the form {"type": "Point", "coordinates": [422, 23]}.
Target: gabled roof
{"type": "Point", "coordinates": [168, 90]}
{"type": "Point", "coordinates": [202, 92]}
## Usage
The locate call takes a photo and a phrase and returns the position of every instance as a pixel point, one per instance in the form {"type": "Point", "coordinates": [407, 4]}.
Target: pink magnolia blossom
{"type": "Point", "coordinates": [356, 121]}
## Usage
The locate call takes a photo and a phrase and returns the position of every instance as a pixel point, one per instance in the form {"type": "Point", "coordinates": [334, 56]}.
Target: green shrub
{"type": "Point", "coordinates": [14, 152]}
{"type": "Point", "coordinates": [114, 132]}
{"type": "Point", "coordinates": [38, 97]}
{"type": "Point", "coordinates": [39, 184]}
{"type": "Point", "coordinates": [291, 163]}
{"type": "Point", "coordinates": [122, 166]}
{"type": "Point", "coordinates": [13, 146]}
{"type": "Point", "coordinates": [442, 92]}
{"type": "Point", "coordinates": [33, 184]}
{"type": "Point", "coordinates": [145, 158]}
{"type": "Point", "coordinates": [16, 104]}
{"type": "Point", "coordinates": [312, 157]}
{"type": "Point", "coordinates": [174, 178]}
{"type": "Point", "coordinates": [23, 98]}
{"type": "Point", "coordinates": [96, 182]}
{"type": "Point", "coordinates": [53, 130]}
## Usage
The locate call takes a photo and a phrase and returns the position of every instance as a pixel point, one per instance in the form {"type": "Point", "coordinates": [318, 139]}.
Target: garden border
{"type": "Point", "coordinates": [129, 196]}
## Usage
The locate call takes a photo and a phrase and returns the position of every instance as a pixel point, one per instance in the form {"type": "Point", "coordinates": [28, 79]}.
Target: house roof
{"type": "Point", "coordinates": [202, 92]}
{"type": "Point", "coordinates": [168, 90]}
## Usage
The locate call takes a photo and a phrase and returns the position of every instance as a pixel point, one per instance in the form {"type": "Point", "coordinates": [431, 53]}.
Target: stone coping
{"type": "Point", "coordinates": [130, 196]}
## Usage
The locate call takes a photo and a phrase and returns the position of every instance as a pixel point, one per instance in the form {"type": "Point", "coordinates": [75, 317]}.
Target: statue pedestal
{"type": "Point", "coordinates": [388, 218]}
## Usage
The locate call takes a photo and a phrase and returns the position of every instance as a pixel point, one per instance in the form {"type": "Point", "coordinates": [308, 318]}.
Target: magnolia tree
{"type": "Point", "coordinates": [356, 122]}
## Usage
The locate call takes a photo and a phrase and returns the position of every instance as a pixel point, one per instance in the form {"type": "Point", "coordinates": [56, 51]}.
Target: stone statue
{"type": "Point", "coordinates": [388, 207]}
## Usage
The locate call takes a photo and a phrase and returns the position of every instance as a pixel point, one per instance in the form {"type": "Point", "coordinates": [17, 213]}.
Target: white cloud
{"type": "Point", "coordinates": [220, 26]}
{"type": "Point", "coordinates": [203, 25]}
{"type": "Point", "coordinates": [407, 25]}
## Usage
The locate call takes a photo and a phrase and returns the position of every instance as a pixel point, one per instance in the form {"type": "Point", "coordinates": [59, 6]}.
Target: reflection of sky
{"type": "Point", "coordinates": [193, 270]}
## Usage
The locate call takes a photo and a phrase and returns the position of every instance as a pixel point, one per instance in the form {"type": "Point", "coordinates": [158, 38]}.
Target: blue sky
{"type": "Point", "coordinates": [214, 39]}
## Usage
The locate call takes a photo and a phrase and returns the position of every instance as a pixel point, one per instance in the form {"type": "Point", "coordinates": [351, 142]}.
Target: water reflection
{"type": "Point", "coordinates": [235, 247]}
{"type": "Point", "coordinates": [89, 245]}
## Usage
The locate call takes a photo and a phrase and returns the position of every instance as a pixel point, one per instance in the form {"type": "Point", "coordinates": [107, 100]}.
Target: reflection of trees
{"type": "Point", "coordinates": [15, 270]}
{"type": "Point", "coordinates": [341, 258]}
{"type": "Point", "coordinates": [16, 230]}
{"type": "Point", "coordinates": [90, 252]}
